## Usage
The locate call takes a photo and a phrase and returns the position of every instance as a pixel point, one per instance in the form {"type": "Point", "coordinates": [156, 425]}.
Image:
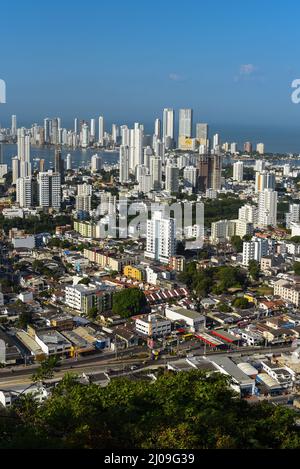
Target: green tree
{"type": "Point", "coordinates": [193, 410]}
{"type": "Point", "coordinates": [93, 313]}
{"type": "Point", "coordinates": [254, 269]}
{"type": "Point", "coordinates": [24, 319]}
{"type": "Point", "coordinates": [241, 303]}
{"type": "Point", "coordinates": [46, 369]}
{"type": "Point", "coordinates": [297, 268]}
{"type": "Point", "coordinates": [237, 243]}
{"type": "Point", "coordinates": [129, 302]}
{"type": "Point", "coordinates": [84, 281]}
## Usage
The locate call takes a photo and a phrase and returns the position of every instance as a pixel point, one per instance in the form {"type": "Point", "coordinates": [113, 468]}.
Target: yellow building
{"type": "Point", "coordinates": [86, 229]}
{"type": "Point", "coordinates": [186, 143]}
{"type": "Point", "coordinates": [250, 298]}
{"type": "Point", "coordinates": [133, 272]}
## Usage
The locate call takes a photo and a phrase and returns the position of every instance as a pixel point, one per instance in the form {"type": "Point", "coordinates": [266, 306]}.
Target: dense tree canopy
{"type": "Point", "coordinates": [187, 410]}
{"type": "Point", "coordinates": [297, 268]}
{"type": "Point", "coordinates": [214, 279]}
{"type": "Point", "coordinates": [254, 269]}
{"type": "Point", "coordinates": [129, 302]}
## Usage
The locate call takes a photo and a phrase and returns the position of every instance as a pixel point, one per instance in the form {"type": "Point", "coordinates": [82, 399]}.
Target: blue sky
{"type": "Point", "coordinates": [231, 61]}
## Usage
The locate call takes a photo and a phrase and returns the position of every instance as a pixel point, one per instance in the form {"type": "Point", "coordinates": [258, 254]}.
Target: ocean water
{"type": "Point", "coordinates": [80, 157]}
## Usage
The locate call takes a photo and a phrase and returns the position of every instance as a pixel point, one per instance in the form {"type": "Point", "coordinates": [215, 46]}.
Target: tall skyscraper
{"type": "Point", "coordinates": [168, 127]}
{"type": "Point", "coordinates": [59, 166]}
{"type": "Point", "coordinates": [84, 197]}
{"type": "Point", "coordinates": [248, 147]}
{"type": "Point", "coordinates": [190, 176]}
{"type": "Point", "coordinates": [216, 141]}
{"type": "Point", "coordinates": [260, 148]}
{"type": "Point", "coordinates": [85, 136]}
{"type": "Point", "coordinates": [267, 208]}
{"type": "Point", "coordinates": [156, 172]}
{"type": "Point", "coordinates": [124, 164]}
{"type": "Point", "coordinates": [136, 147]}
{"type": "Point", "coordinates": [24, 153]}
{"type": "Point", "coordinates": [161, 238]}
{"type": "Point", "coordinates": [202, 133]}
{"type": "Point", "coordinates": [49, 190]}
{"type": "Point", "coordinates": [185, 123]}
{"type": "Point", "coordinates": [93, 129]}
{"type": "Point", "coordinates": [172, 178]}
{"type": "Point", "coordinates": [157, 128]}
{"type": "Point", "coordinates": [96, 163]}
{"type": "Point", "coordinates": [24, 192]}
{"type": "Point", "coordinates": [216, 161]}
{"type": "Point", "coordinates": [101, 130]}
{"type": "Point", "coordinates": [203, 172]}
{"type": "Point", "coordinates": [233, 148]}
{"type": "Point", "coordinates": [54, 131]}
{"type": "Point", "coordinates": [47, 130]}
{"type": "Point", "coordinates": [264, 180]}
{"type": "Point", "coordinates": [238, 171]}
{"type": "Point", "coordinates": [69, 162]}
{"type": "Point", "coordinates": [76, 125]}
{"type": "Point", "coordinates": [15, 169]}
{"type": "Point", "coordinates": [14, 126]}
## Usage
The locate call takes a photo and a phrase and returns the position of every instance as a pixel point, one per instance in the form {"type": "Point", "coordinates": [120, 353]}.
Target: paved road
{"type": "Point", "coordinates": [90, 364]}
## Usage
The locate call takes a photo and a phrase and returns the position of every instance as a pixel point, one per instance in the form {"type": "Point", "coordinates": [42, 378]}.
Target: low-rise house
{"type": "Point", "coordinates": [53, 342]}
{"type": "Point", "coordinates": [9, 352]}
{"type": "Point", "coordinates": [124, 337]}
{"type": "Point", "coordinates": [241, 383]}
{"type": "Point", "coordinates": [288, 290]}
{"type": "Point", "coordinates": [285, 376]}
{"type": "Point", "coordinates": [193, 319]}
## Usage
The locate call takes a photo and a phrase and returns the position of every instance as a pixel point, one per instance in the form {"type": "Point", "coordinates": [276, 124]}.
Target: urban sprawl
{"type": "Point", "coordinates": [100, 277]}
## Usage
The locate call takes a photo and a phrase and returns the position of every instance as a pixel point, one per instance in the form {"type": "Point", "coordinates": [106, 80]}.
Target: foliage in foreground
{"type": "Point", "coordinates": [178, 411]}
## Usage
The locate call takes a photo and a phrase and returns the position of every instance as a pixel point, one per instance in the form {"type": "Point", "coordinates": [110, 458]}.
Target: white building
{"type": "Point", "coordinates": [185, 123]}
{"type": "Point", "coordinates": [153, 325]}
{"type": "Point", "coordinates": [243, 228]}
{"type": "Point", "coordinates": [190, 176]}
{"type": "Point", "coordinates": [49, 189]}
{"type": "Point", "coordinates": [84, 197]}
{"type": "Point", "coordinates": [69, 162]}
{"type": "Point", "coordinates": [238, 171]}
{"type": "Point", "coordinates": [249, 213]}
{"type": "Point", "coordinates": [193, 319]}
{"type": "Point", "coordinates": [267, 208]}
{"type": "Point", "coordinates": [254, 250]}
{"type": "Point", "coordinates": [96, 163]}
{"type": "Point", "coordinates": [293, 216]}
{"type": "Point", "coordinates": [24, 192]}
{"type": "Point", "coordinates": [222, 231]}
{"type": "Point", "coordinates": [260, 148]}
{"type": "Point", "coordinates": [161, 237]}
{"type": "Point", "coordinates": [101, 130]}
{"type": "Point", "coordinates": [168, 126]}
{"type": "Point", "coordinates": [124, 164]}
